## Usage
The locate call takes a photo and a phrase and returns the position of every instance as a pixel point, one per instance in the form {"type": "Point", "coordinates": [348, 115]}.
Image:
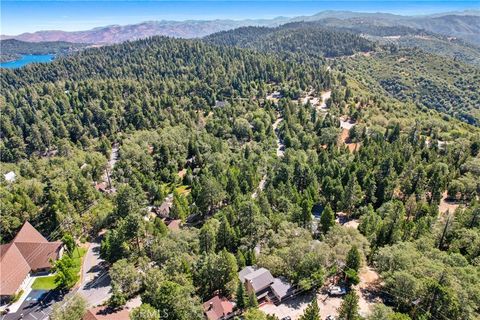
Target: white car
{"type": "Point", "coordinates": [337, 291]}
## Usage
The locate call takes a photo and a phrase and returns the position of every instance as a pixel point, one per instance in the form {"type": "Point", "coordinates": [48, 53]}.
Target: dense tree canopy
{"type": "Point", "coordinates": [248, 177]}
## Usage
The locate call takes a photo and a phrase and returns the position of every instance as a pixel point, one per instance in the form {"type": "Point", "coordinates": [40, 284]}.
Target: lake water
{"type": "Point", "coordinates": [26, 59]}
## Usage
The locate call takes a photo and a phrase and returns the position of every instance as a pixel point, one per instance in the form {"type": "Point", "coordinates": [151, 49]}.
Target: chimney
{"type": "Point", "coordinates": [210, 307]}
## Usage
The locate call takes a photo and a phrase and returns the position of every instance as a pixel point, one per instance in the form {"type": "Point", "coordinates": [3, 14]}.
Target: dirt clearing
{"type": "Point", "coordinates": [366, 290]}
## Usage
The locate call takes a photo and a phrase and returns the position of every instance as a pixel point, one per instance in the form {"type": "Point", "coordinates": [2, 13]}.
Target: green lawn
{"type": "Point", "coordinates": [78, 253]}
{"type": "Point", "coordinates": [48, 283]}
{"type": "Point", "coordinates": [77, 256]}
{"type": "Point", "coordinates": [44, 283]}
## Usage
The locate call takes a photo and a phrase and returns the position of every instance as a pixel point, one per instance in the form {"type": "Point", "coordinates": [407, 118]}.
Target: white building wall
{"type": "Point", "coordinates": [24, 282]}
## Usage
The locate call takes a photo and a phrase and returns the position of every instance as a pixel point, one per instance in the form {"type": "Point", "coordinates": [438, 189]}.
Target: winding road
{"type": "Point", "coordinates": [95, 284]}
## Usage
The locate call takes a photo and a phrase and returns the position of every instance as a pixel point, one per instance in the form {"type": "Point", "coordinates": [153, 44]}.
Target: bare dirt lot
{"type": "Point", "coordinates": [344, 140]}
{"type": "Point", "coordinates": [447, 205]}
{"type": "Point", "coordinates": [293, 307]}
{"type": "Point", "coordinates": [328, 305]}
{"type": "Point", "coordinates": [342, 219]}
{"type": "Point", "coordinates": [369, 280]}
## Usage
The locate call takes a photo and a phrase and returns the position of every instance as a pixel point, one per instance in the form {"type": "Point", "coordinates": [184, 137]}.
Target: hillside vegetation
{"type": "Point", "coordinates": [448, 86]}
{"type": "Point", "coordinates": [102, 91]}
{"type": "Point", "coordinates": [299, 37]}
{"type": "Point", "coordinates": [220, 128]}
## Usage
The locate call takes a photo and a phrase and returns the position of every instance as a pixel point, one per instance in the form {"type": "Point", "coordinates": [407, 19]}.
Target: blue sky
{"type": "Point", "coordinates": [29, 16]}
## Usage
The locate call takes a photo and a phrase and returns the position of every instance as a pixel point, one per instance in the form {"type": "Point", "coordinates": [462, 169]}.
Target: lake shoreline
{"type": "Point", "coordinates": [27, 59]}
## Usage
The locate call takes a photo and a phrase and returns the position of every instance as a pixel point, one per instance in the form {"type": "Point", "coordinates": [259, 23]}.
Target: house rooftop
{"type": "Point", "coordinates": [244, 272]}
{"type": "Point", "coordinates": [39, 255]}
{"type": "Point", "coordinates": [29, 234]}
{"type": "Point", "coordinates": [13, 269]}
{"type": "Point", "coordinates": [174, 225]}
{"type": "Point", "coordinates": [105, 313]}
{"type": "Point", "coordinates": [259, 279]}
{"type": "Point", "coordinates": [217, 307]}
{"type": "Point", "coordinates": [221, 103]}
{"type": "Point", "coordinates": [281, 288]}
{"type": "Point", "coordinates": [28, 251]}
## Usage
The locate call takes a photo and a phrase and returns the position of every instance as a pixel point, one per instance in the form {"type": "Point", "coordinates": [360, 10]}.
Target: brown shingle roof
{"type": "Point", "coordinates": [28, 251]}
{"type": "Point", "coordinates": [217, 307]}
{"type": "Point", "coordinates": [104, 313]}
{"type": "Point", "coordinates": [38, 255]}
{"type": "Point", "coordinates": [29, 234]}
{"type": "Point", "coordinates": [13, 269]}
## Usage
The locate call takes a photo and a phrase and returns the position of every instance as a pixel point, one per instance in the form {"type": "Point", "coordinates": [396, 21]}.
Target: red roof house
{"type": "Point", "coordinates": [218, 309]}
{"type": "Point", "coordinates": [28, 253]}
{"type": "Point", "coordinates": [104, 313]}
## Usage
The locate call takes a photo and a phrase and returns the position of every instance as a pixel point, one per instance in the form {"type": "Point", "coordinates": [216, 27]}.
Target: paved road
{"type": "Point", "coordinates": [95, 286]}
{"type": "Point", "coordinates": [37, 306]}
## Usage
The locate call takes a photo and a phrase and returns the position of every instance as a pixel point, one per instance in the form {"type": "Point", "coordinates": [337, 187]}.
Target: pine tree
{"type": "Point", "coordinates": [117, 298]}
{"type": "Point", "coordinates": [327, 219]}
{"type": "Point", "coordinates": [208, 238]}
{"type": "Point", "coordinates": [225, 236]}
{"type": "Point", "coordinates": [242, 298]}
{"type": "Point", "coordinates": [306, 216]}
{"type": "Point", "coordinates": [241, 260]}
{"type": "Point", "coordinates": [180, 209]}
{"type": "Point", "coordinates": [312, 312]}
{"type": "Point", "coordinates": [353, 194]}
{"type": "Point", "coordinates": [252, 300]}
{"type": "Point", "coordinates": [349, 307]}
{"type": "Point", "coordinates": [353, 259]}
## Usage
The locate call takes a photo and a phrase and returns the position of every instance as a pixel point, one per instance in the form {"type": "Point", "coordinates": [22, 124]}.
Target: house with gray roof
{"type": "Point", "coordinates": [261, 282]}
{"type": "Point", "coordinates": [281, 288]}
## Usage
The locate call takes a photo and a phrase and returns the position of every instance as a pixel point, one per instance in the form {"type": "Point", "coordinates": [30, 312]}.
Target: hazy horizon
{"type": "Point", "coordinates": [31, 16]}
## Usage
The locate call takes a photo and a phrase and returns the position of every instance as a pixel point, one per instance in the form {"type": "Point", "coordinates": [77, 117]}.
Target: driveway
{"type": "Point", "coordinates": [293, 307]}
{"type": "Point", "coordinates": [37, 306]}
{"type": "Point", "coordinates": [95, 284]}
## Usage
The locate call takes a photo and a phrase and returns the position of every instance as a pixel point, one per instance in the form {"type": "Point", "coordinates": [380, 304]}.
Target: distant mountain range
{"type": "Point", "coordinates": [117, 33]}
{"type": "Point", "coordinates": [464, 24]}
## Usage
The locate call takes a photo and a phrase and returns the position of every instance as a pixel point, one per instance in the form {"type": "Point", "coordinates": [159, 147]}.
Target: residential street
{"type": "Point", "coordinates": [95, 283]}
{"type": "Point", "coordinates": [37, 306]}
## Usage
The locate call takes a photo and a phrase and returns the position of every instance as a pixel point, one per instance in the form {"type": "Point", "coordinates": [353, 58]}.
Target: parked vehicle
{"type": "Point", "coordinates": [337, 291]}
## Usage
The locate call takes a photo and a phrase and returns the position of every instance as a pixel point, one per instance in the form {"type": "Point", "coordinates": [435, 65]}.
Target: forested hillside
{"type": "Point", "coordinates": [402, 36]}
{"type": "Point", "coordinates": [299, 37]}
{"type": "Point", "coordinates": [248, 134]}
{"type": "Point", "coordinates": [442, 46]}
{"type": "Point", "coordinates": [102, 91]}
{"type": "Point", "coordinates": [435, 82]}
{"type": "Point", "coordinates": [464, 25]}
